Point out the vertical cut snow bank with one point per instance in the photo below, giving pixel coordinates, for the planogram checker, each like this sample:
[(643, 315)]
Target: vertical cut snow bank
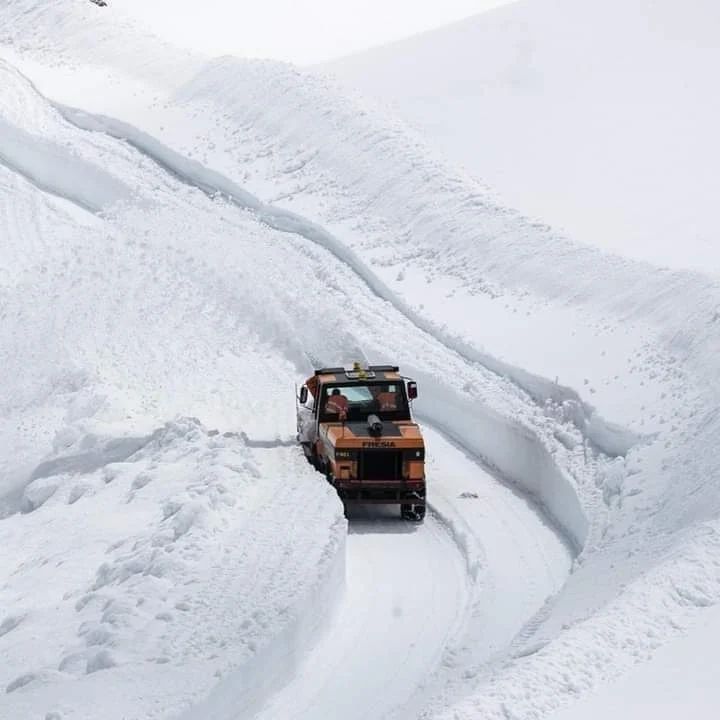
[(163, 573)]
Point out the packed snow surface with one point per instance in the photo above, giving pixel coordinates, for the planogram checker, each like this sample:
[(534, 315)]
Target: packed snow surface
[(245, 220)]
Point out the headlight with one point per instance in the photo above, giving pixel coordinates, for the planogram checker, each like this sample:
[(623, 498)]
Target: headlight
[(416, 454)]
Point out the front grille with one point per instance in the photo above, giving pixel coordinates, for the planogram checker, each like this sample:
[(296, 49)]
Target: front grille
[(380, 465)]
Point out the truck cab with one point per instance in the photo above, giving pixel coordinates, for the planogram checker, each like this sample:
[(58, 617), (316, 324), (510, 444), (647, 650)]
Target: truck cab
[(355, 426)]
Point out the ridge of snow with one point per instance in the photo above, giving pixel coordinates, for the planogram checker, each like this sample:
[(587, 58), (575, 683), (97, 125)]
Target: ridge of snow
[(39, 162)]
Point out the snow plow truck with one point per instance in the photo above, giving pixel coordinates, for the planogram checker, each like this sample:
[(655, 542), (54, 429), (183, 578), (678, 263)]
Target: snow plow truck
[(355, 427)]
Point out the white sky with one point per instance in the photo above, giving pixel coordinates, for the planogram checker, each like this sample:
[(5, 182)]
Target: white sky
[(302, 31)]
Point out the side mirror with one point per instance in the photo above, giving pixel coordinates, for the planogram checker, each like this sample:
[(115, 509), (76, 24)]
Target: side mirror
[(303, 394), (412, 390)]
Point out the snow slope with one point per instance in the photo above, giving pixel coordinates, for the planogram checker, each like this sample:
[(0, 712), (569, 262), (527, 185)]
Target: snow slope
[(133, 541), (587, 379), (281, 29), (597, 118), (681, 679)]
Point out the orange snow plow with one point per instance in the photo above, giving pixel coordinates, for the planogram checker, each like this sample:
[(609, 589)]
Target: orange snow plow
[(355, 426)]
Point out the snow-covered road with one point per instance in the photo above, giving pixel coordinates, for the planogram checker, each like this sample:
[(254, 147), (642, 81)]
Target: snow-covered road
[(405, 598), (422, 605)]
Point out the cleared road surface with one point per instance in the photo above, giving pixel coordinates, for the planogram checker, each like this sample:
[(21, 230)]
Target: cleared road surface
[(410, 598)]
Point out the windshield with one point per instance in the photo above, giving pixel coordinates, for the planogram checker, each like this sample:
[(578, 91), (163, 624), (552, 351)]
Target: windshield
[(356, 402)]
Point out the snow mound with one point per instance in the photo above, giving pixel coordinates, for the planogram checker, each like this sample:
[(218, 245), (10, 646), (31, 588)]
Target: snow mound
[(167, 573)]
